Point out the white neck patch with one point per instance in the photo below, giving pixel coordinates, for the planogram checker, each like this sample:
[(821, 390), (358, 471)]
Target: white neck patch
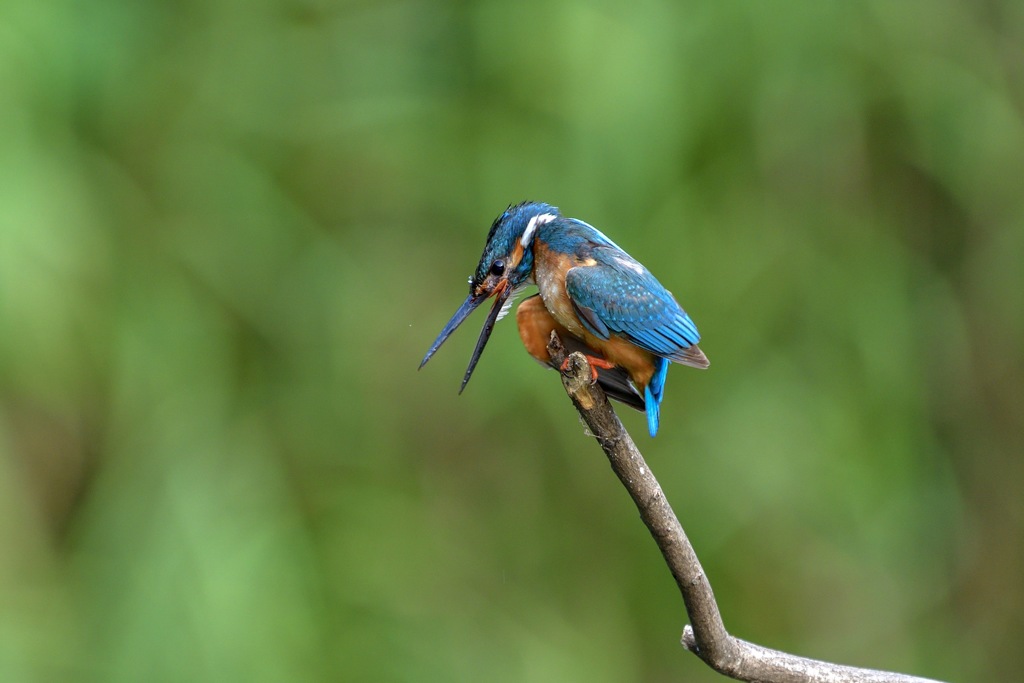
[(531, 227)]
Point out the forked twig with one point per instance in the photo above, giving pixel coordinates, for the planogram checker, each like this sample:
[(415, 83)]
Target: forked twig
[(706, 635)]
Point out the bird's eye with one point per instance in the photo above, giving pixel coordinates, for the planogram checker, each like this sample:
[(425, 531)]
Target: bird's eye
[(498, 267)]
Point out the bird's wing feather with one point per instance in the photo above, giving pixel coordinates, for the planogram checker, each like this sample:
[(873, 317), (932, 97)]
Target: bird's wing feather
[(613, 293)]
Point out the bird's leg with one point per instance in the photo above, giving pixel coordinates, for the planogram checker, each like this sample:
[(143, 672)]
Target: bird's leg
[(536, 326), (595, 363)]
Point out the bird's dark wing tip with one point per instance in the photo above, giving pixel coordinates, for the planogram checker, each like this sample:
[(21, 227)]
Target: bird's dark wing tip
[(692, 356)]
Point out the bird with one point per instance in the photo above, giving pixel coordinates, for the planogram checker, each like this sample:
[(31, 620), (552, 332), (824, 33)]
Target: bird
[(596, 297)]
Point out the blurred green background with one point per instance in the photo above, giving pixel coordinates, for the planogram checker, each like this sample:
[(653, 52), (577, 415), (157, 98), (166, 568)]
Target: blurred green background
[(230, 229)]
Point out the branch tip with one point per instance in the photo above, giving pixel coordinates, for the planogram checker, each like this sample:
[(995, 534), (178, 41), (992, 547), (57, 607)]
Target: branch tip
[(705, 635)]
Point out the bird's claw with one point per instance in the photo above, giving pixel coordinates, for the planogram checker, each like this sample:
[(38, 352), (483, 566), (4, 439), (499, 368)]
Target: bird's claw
[(595, 363)]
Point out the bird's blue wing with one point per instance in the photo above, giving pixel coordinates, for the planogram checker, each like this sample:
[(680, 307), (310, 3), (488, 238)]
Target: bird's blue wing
[(614, 294)]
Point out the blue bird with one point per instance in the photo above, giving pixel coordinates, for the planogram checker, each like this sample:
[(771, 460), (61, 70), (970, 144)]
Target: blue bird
[(599, 299)]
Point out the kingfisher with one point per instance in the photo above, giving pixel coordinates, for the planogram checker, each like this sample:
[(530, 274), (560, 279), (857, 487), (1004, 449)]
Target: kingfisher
[(596, 297)]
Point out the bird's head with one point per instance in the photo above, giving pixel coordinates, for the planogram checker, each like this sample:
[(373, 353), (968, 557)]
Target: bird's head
[(505, 267)]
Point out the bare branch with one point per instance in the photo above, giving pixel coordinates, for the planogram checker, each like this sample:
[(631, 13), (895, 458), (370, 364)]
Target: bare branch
[(706, 635)]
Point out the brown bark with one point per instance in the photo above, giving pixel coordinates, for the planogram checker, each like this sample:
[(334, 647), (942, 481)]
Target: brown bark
[(705, 636)]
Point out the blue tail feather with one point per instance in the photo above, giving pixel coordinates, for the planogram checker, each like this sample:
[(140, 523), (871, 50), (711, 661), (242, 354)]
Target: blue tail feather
[(652, 412), (653, 393)]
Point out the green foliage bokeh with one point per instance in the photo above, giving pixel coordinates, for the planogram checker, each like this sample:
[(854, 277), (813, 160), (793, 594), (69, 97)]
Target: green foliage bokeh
[(229, 230)]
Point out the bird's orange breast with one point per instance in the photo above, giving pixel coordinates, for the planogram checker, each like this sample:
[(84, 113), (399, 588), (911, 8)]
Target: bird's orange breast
[(549, 269), (549, 272), (535, 327)]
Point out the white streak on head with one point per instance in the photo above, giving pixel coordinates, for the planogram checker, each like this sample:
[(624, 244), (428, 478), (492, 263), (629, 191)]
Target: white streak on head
[(531, 227)]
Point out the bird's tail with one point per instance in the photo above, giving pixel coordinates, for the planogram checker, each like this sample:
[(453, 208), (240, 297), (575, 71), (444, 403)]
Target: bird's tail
[(654, 391)]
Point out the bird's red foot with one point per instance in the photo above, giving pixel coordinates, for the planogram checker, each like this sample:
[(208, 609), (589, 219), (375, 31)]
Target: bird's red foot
[(595, 363)]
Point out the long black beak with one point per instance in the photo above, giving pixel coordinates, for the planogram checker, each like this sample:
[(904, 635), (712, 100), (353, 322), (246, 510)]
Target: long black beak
[(468, 306)]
